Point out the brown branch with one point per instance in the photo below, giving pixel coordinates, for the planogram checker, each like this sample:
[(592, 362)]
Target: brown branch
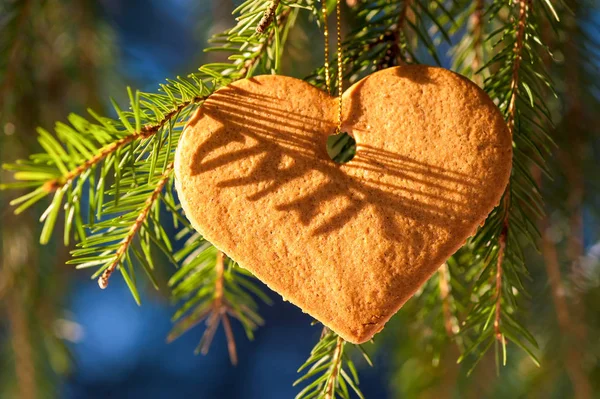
[(444, 295), (498, 313), (211, 328), (220, 270), (514, 87), (477, 31), (231, 347), (336, 364), (220, 307), (398, 33), (145, 132), (574, 202), (577, 121), (139, 222), (392, 37), (567, 326), (218, 313), (402, 17)]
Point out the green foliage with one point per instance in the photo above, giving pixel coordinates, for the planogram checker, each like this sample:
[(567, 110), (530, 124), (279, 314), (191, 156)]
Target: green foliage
[(94, 151), (439, 305), (469, 53), (390, 34), (210, 293), (88, 155), (124, 166), (519, 84), (329, 372)]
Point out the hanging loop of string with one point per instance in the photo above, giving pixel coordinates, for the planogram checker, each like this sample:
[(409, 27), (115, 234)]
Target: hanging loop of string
[(326, 37), (340, 72)]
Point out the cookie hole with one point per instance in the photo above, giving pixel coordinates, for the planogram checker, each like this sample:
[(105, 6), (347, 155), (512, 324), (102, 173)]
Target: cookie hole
[(341, 147)]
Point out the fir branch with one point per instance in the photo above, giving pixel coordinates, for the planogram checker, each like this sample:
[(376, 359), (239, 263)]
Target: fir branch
[(218, 313), (468, 55), (268, 16), (146, 132), (87, 151), (139, 142), (135, 227), (450, 324), (436, 309), (518, 83), (477, 28), (498, 299), (390, 34), (336, 364), (399, 36), (329, 371), (213, 288), (521, 22), (516, 63), (132, 226)]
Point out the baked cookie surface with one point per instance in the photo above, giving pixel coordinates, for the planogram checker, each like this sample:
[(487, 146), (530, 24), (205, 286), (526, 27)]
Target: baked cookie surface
[(348, 243)]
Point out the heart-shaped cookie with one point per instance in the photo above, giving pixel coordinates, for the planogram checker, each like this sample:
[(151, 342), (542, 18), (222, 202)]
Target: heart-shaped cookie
[(347, 243)]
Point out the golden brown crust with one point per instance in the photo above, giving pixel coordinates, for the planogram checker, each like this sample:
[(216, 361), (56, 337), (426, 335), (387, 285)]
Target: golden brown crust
[(349, 244)]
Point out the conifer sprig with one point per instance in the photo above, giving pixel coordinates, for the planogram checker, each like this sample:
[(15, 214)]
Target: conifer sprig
[(132, 225), (123, 167), (213, 288), (329, 371), (86, 155), (517, 82), (87, 151), (391, 34), (469, 54), (140, 220), (438, 308)]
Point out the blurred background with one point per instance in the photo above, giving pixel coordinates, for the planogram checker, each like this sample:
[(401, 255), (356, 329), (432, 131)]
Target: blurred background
[(62, 337)]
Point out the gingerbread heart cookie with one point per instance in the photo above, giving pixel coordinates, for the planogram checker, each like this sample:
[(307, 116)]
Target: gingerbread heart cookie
[(348, 243)]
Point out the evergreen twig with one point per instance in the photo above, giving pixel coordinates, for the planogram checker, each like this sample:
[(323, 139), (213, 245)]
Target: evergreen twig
[(124, 166), (85, 155), (135, 151), (213, 288), (468, 55), (135, 227), (518, 82), (391, 34), (329, 371)]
